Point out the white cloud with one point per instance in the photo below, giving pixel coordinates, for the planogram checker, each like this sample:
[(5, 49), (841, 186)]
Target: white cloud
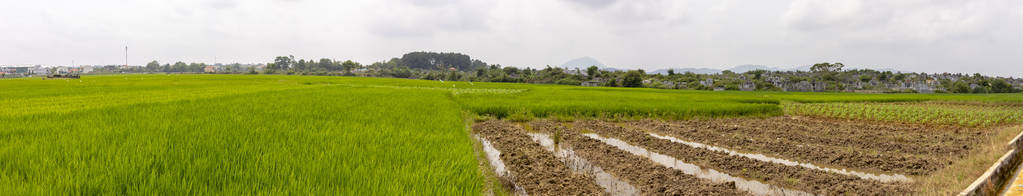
[(895, 21), (916, 35)]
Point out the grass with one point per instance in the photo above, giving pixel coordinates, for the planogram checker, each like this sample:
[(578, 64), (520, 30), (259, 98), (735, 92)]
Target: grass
[(961, 173), (260, 134)]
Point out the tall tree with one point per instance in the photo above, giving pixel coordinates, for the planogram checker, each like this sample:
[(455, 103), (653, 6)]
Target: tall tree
[(325, 64), (350, 65), (827, 67), (179, 67), (592, 71), (283, 62), (440, 61), (827, 71), (153, 66), (633, 79)]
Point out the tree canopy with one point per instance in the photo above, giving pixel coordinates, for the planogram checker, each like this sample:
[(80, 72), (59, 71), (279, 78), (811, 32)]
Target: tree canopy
[(440, 61)]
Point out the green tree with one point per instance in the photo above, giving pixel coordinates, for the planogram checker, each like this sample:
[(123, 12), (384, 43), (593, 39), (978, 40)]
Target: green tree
[(453, 76), (633, 79), (757, 73), (301, 65), (324, 64), (1000, 86), (865, 78), (153, 66), (592, 71), (826, 67), (270, 67), (510, 70), (282, 62), (350, 65), (827, 71), (179, 67)]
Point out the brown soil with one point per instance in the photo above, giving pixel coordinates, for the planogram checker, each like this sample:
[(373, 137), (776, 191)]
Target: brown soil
[(814, 181), (649, 177), (531, 167), (900, 148)]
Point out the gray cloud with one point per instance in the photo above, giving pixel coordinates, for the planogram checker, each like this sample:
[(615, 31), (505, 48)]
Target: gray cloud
[(221, 4), (424, 18), (594, 3)]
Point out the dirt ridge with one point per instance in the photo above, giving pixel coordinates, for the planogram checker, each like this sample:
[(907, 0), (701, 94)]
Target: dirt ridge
[(815, 181), (649, 177), (826, 144), (533, 168)]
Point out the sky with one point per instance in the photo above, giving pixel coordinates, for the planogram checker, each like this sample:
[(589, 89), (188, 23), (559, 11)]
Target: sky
[(959, 36)]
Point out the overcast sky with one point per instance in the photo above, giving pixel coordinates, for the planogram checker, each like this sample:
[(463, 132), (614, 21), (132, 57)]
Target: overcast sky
[(983, 36)]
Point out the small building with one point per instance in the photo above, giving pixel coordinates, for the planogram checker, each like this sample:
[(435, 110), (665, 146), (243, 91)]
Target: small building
[(708, 82), (819, 86), (747, 86), (88, 69), (40, 70), (593, 82), (61, 70), (209, 69), (801, 86), (668, 84)]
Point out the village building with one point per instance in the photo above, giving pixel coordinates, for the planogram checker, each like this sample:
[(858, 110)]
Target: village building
[(747, 86), (708, 82)]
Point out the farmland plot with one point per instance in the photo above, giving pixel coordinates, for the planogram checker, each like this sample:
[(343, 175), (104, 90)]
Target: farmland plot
[(787, 155)]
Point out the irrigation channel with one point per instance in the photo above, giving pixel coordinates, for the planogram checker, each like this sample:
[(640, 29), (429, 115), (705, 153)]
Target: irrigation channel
[(699, 158), (1014, 186)]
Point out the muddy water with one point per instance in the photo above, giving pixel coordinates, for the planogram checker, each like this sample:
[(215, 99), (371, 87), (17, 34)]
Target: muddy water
[(879, 177), (610, 183), (494, 157), (755, 187)]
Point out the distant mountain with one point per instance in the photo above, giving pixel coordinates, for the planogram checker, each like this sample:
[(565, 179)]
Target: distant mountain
[(684, 70), (746, 68), (736, 69), (586, 62), (801, 68), (583, 63)]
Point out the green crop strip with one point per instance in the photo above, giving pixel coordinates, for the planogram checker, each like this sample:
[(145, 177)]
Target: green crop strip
[(949, 113)]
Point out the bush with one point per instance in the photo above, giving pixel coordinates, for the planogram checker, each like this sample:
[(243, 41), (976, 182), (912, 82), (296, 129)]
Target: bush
[(568, 81)]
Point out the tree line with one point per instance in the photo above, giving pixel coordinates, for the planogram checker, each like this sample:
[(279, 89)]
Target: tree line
[(461, 67)]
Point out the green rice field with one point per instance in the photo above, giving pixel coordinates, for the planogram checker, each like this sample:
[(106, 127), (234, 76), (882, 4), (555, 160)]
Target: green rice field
[(310, 135)]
